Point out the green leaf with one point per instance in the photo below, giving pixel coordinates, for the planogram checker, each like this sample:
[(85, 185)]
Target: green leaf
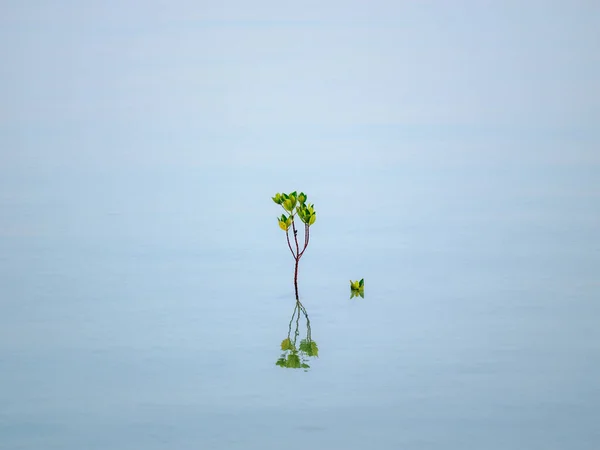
[(293, 199), (281, 362), (286, 344), (361, 283), (305, 366), (303, 213), (293, 361), (312, 219), (309, 347), (305, 346), (314, 349)]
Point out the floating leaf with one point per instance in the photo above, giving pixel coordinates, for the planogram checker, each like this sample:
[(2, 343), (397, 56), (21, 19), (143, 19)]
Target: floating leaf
[(357, 285)]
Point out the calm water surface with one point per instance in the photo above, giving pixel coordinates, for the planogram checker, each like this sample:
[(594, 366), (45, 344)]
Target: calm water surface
[(146, 310)]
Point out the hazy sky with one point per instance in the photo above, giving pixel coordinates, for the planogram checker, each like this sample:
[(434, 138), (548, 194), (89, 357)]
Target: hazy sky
[(122, 118), (153, 83)]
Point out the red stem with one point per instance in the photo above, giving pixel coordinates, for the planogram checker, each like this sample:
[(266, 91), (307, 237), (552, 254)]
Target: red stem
[(297, 257), (296, 279), (298, 253), (296, 238), (287, 235), (306, 238)]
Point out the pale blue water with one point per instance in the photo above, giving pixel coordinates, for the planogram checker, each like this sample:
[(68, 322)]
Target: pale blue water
[(149, 314)]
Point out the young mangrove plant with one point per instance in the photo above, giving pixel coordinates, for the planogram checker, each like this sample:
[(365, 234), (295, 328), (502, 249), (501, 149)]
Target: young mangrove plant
[(294, 205)]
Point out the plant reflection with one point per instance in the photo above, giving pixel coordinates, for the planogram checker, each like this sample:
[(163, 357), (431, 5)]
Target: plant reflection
[(355, 293), (295, 356)]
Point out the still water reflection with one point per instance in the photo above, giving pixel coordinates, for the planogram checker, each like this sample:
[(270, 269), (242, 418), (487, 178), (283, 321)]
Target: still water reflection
[(296, 354), (135, 330)]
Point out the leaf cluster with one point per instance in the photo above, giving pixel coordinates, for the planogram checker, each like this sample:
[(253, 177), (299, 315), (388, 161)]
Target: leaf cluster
[(295, 358), (292, 361), (357, 285), (294, 204), (357, 288)]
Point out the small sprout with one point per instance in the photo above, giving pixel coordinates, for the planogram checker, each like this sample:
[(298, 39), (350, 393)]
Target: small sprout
[(357, 288), (357, 285)]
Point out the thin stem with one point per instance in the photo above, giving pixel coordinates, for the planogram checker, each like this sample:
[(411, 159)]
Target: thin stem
[(287, 235), (297, 254), (295, 236), (297, 257), (296, 278), (306, 239)]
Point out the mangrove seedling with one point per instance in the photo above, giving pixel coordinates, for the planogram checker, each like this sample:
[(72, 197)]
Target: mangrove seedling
[(357, 288), (294, 205)]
